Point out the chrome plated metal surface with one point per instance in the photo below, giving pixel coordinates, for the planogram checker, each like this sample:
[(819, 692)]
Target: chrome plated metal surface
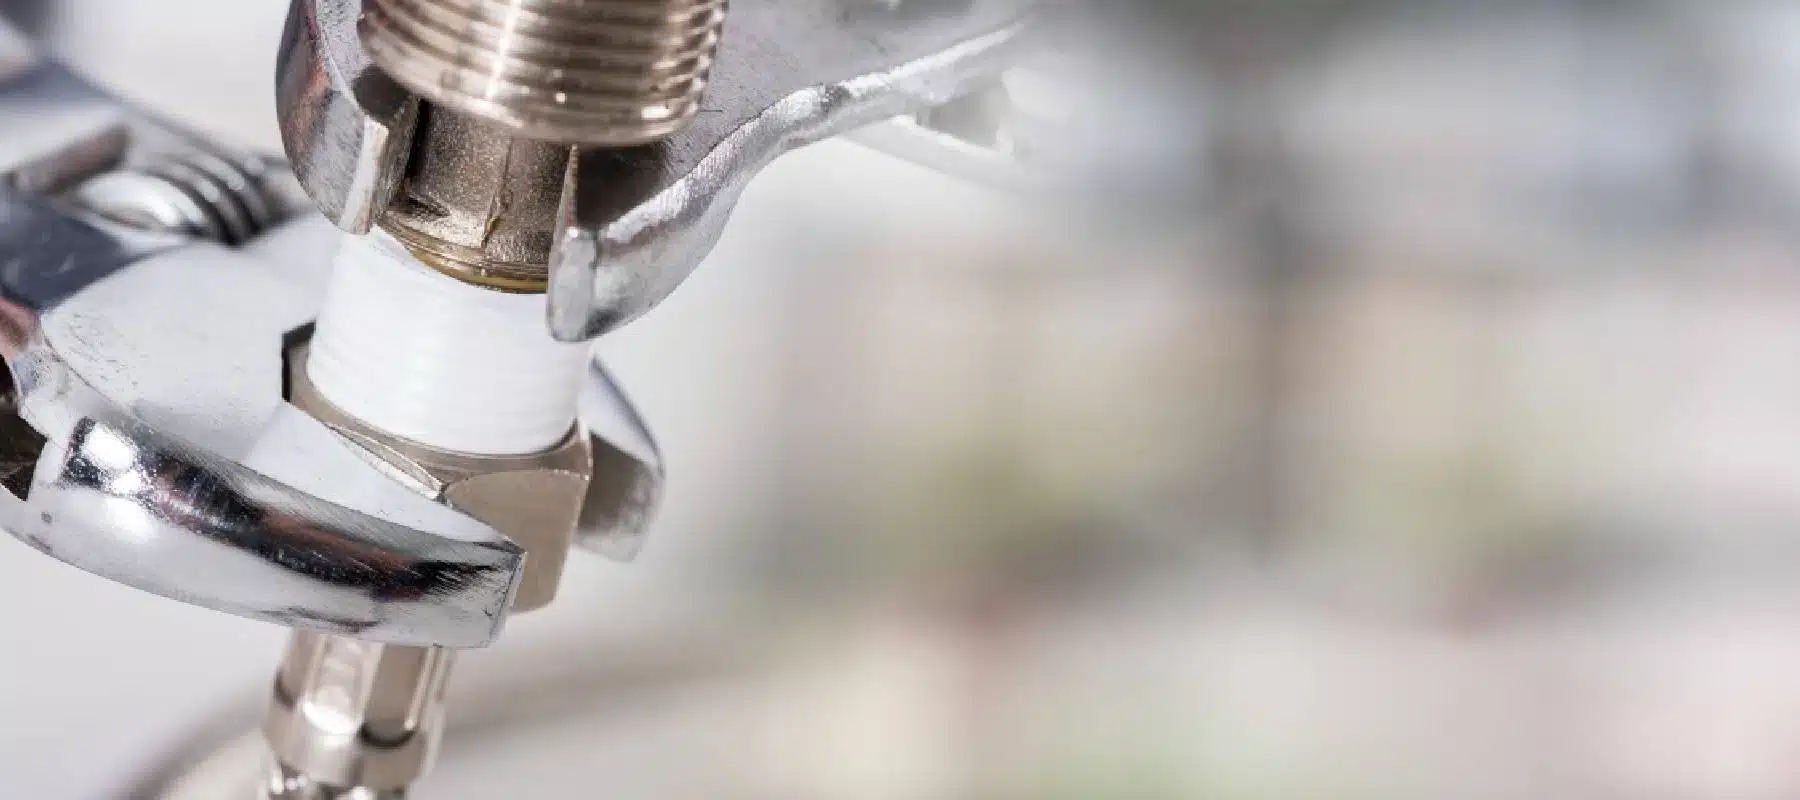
[(287, 785), (60, 131), (350, 718), (598, 488), (148, 440), (170, 461), (638, 221), (346, 126), (599, 72), (166, 457), (147, 433), (146, 436), (634, 222), (625, 482), (351, 715), (199, 195)]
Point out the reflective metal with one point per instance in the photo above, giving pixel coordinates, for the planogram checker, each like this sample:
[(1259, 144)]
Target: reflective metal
[(596, 488), (610, 474), (285, 784), (478, 203), (170, 461), (600, 72), (635, 222), (351, 715), (146, 437), (638, 221), (625, 481), (146, 433), (348, 716), (196, 195), (346, 126)]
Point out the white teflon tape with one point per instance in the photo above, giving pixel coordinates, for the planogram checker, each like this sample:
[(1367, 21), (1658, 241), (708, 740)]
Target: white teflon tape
[(429, 358)]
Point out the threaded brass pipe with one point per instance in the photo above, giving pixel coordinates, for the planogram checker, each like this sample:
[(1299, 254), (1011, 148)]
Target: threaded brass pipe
[(593, 72)]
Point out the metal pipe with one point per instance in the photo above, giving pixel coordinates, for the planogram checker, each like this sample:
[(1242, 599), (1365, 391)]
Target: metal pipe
[(596, 72)]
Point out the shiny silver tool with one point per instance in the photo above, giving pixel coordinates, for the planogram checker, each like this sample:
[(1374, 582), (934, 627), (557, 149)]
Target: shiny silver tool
[(158, 295)]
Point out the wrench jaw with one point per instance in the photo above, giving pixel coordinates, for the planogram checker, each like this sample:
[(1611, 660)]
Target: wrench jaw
[(166, 458), (116, 501), (148, 440), (634, 222), (151, 433), (346, 126)]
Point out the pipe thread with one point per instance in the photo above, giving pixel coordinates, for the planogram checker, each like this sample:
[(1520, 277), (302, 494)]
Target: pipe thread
[(599, 72)]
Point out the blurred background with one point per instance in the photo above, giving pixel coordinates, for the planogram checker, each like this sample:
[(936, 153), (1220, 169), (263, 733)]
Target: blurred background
[(1381, 400)]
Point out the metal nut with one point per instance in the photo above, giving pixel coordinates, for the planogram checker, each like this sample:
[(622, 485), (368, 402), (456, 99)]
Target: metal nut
[(479, 204), (535, 500)]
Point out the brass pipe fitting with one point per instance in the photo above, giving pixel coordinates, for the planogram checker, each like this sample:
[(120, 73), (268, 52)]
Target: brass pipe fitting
[(613, 73)]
